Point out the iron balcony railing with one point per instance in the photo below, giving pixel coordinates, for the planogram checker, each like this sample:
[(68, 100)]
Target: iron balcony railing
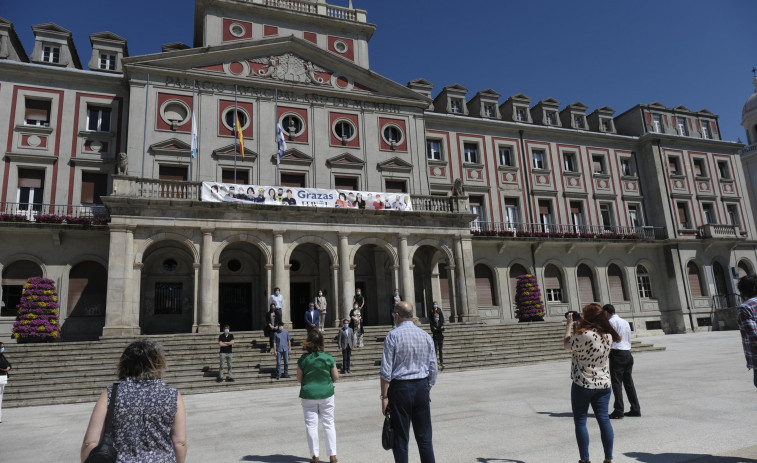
[(540, 230), (53, 213)]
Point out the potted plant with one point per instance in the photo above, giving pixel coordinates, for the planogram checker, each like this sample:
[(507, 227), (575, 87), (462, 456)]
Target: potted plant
[(37, 319), (529, 306)]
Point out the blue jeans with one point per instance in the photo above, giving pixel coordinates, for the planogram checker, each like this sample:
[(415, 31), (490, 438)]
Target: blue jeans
[(409, 402), (284, 354), (755, 376), (599, 399)]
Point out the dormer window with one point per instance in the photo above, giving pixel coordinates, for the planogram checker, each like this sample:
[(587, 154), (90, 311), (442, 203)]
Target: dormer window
[(657, 123), (37, 112), (706, 130), (490, 110), (456, 106), (521, 115), (107, 62), (606, 125), (51, 54), (683, 129), (551, 118), (578, 121)]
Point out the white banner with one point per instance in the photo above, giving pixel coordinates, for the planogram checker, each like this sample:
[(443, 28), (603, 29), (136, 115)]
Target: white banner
[(305, 197)]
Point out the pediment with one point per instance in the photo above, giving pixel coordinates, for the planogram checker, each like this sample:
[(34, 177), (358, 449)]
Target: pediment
[(286, 63), (420, 83), (229, 152), (657, 105), (455, 89), (395, 164), (488, 93), (577, 106), (605, 109), (107, 35), (345, 160), (4, 21), (520, 97), (171, 146), (682, 108), (293, 156), (549, 102), (50, 27), (705, 112)]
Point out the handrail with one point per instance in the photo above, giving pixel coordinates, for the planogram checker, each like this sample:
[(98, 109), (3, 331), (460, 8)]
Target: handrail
[(540, 230)]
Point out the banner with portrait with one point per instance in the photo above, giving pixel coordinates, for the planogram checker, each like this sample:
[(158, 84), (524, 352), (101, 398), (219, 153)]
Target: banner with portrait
[(304, 197)]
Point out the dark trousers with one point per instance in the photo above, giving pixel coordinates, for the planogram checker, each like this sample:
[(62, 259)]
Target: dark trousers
[(621, 365), (438, 345), (409, 402), (346, 353)]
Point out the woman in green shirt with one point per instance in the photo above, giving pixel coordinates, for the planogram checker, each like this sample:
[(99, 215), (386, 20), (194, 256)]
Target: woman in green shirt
[(317, 373)]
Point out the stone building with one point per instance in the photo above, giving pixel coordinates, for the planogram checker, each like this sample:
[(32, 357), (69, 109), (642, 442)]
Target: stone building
[(647, 209)]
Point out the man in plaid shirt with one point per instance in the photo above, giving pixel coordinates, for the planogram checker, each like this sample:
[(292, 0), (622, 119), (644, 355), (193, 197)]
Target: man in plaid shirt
[(748, 320)]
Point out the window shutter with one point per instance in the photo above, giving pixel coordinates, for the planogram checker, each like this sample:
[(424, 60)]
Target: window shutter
[(596, 165), (172, 173), (484, 287), (615, 281), (694, 280), (543, 208), (552, 278), (444, 286), (30, 178), (585, 285)]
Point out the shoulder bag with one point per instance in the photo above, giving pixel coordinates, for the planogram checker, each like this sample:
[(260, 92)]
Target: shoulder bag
[(105, 452), (387, 434)]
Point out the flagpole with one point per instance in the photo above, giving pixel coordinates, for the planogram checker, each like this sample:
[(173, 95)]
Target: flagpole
[(193, 141), (276, 134), (144, 130), (236, 134)]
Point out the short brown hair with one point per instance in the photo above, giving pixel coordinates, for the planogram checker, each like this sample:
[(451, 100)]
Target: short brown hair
[(142, 359), (314, 342)]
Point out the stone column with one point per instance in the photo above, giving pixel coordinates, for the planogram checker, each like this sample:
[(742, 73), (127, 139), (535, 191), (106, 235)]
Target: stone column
[(454, 312), (333, 308), (120, 298), (281, 276), (196, 297), (407, 290), (206, 283), (347, 276), (467, 277)]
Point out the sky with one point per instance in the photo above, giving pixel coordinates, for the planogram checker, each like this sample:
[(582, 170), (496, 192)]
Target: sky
[(695, 53)]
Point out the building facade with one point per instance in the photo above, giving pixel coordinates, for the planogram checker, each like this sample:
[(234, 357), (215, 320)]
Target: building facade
[(101, 188)]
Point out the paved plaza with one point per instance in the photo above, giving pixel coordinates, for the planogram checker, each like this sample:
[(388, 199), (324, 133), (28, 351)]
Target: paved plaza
[(697, 401)]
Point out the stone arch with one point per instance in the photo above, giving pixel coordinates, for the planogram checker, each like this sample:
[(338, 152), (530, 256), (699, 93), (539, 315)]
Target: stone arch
[(563, 281), (441, 247), (581, 282), (327, 246), (624, 279), (494, 282), (186, 242), (700, 289), (385, 245), (88, 257), (745, 267), (24, 256), (650, 269), (243, 238)]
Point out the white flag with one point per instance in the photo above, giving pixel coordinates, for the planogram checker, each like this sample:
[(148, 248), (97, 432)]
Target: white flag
[(194, 135), (281, 143)]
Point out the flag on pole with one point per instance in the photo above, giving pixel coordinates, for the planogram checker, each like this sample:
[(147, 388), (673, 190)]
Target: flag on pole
[(281, 143), (194, 134), (240, 136)]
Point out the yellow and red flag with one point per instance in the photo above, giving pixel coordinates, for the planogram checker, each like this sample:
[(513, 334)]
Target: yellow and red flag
[(240, 136)]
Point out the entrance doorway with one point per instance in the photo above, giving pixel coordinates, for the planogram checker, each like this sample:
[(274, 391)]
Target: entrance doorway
[(300, 294), (235, 306)]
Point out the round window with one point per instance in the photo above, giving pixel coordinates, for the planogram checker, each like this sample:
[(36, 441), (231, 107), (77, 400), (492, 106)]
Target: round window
[(340, 46), (174, 112), (392, 134), (344, 130), (169, 265), (230, 122), (292, 124), (234, 265), (237, 30)]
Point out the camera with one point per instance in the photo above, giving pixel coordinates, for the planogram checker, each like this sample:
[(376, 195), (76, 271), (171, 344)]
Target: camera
[(575, 316)]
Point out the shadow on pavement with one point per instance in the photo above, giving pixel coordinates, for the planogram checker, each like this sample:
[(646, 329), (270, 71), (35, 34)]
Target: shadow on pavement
[(562, 415), (275, 459), (497, 460), (685, 457)]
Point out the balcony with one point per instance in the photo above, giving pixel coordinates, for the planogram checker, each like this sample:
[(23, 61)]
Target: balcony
[(717, 231), (318, 8), (94, 214), (556, 231)]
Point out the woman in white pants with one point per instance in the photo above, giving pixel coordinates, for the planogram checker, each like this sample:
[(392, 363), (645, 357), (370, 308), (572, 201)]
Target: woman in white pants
[(316, 372), (5, 367)]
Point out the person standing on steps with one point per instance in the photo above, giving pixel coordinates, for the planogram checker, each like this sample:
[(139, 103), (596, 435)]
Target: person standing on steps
[(320, 306), (272, 320), (437, 333), (345, 341), (5, 367), (282, 344), (356, 323), (312, 318), (277, 299), (359, 299), (225, 342), (747, 287), (621, 366)]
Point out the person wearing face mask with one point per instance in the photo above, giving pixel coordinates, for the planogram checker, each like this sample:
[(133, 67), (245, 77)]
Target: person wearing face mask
[(225, 342), (359, 299), (356, 323), (282, 344), (277, 299), (5, 367), (436, 310), (320, 306), (272, 319), (437, 333), (346, 342), (312, 318), (393, 304)]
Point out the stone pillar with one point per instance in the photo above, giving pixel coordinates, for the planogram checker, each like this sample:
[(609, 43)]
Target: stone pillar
[(454, 313), (379, 304), (407, 289), (333, 308), (281, 276), (466, 279), (196, 297), (121, 297), (206, 324), (347, 276)]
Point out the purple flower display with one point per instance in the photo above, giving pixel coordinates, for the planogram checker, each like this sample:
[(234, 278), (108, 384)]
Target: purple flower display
[(37, 318), (529, 306)]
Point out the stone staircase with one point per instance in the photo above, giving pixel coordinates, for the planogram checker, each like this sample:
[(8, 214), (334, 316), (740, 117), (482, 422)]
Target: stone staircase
[(69, 372)]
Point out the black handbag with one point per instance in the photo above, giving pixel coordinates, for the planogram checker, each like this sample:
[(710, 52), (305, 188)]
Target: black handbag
[(387, 434), (105, 452)]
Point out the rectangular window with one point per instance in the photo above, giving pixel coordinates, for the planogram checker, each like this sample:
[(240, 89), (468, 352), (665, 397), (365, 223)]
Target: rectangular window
[(168, 298), (657, 123), (489, 110), (172, 173), (634, 216), (645, 286), (538, 159), (605, 214), (723, 170), (107, 62), (30, 192), (98, 119), (606, 125), (576, 216), (471, 152), (511, 212), (598, 164), (627, 168), (434, 149), (683, 129), (551, 118), (706, 129), (37, 112), (476, 207), (569, 162), (733, 215), (456, 106), (395, 186), (683, 216), (578, 121), (242, 178), (545, 215), (93, 187), (674, 165), (554, 295), (345, 183), (520, 115), (51, 54), (505, 156), (699, 170), (709, 213)]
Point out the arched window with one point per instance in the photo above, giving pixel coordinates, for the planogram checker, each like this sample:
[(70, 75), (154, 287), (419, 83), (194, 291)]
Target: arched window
[(14, 279), (515, 271), (616, 284), (485, 286), (444, 284), (553, 283), (695, 280), (643, 282), (586, 292), (87, 289), (744, 268)]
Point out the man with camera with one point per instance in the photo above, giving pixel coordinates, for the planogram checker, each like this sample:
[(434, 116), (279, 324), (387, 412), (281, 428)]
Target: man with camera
[(621, 365)]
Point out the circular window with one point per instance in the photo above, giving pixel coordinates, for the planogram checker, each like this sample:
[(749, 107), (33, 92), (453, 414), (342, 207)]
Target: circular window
[(340, 46), (294, 265), (392, 134), (234, 265), (169, 265), (344, 130), (292, 124), (230, 122), (175, 112), (237, 30)]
